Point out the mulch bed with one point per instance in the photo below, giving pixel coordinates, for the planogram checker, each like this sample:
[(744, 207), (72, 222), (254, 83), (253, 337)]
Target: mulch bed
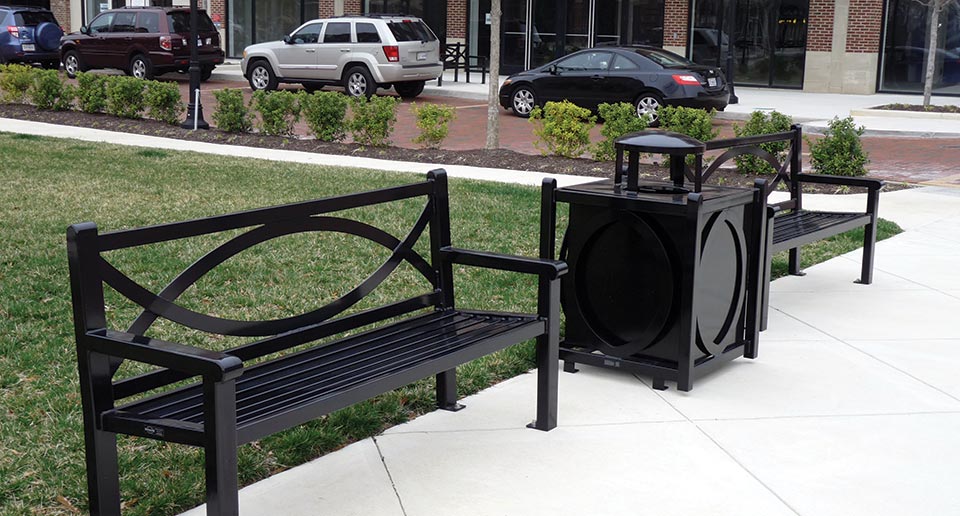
[(500, 158), (920, 108)]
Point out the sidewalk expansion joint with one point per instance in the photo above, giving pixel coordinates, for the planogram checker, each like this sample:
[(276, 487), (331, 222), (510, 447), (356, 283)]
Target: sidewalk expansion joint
[(389, 476)]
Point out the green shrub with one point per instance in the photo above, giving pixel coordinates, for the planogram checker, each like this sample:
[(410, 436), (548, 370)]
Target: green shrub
[(49, 92), (15, 81), (618, 119), (761, 123), (91, 92), (692, 122), (125, 96), (433, 120), (563, 128), (840, 151), (164, 101), (231, 114), (373, 119), (278, 111), (326, 114)]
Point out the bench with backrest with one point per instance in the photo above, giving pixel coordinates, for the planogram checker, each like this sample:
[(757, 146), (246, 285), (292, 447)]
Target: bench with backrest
[(280, 376), (455, 58), (793, 225)]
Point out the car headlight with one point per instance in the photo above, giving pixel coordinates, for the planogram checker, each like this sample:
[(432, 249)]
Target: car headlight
[(507, 82), (244, 54)]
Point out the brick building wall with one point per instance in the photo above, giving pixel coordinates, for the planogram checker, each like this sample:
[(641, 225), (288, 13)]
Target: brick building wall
[(218, 12), (820, 26), (863, 26), (326, 8), (456, 19), (676, 16), (61, 11), (352, 7)]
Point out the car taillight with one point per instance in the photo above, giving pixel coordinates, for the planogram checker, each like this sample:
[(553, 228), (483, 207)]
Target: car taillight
[(686, 80), (392, 52), (166, 43), (14, 31)]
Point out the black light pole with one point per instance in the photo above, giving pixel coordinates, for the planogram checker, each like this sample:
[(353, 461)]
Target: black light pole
[(732, 26), (194, 108)]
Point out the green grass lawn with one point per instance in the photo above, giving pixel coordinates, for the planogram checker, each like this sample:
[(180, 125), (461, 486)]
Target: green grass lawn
[(49, 184)]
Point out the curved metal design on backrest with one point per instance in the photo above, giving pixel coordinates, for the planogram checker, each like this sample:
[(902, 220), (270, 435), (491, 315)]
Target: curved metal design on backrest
[(162, 305), (740, 151)]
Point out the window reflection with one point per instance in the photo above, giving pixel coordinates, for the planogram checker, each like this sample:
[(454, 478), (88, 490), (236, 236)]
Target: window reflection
[(905, 50)]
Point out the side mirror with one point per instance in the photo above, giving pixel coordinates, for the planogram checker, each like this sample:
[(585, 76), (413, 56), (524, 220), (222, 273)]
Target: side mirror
[(552, 69), (84, 29), (288, 40)]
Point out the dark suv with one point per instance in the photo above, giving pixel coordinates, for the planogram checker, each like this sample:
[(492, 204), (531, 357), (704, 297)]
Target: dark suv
[(141, 41), (29, 35)]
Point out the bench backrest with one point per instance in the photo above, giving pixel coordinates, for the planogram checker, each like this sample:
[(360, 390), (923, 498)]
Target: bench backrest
[(787, 171), (90, 270)]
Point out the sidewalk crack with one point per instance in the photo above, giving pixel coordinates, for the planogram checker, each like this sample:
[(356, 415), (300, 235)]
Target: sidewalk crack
[(393, 484)]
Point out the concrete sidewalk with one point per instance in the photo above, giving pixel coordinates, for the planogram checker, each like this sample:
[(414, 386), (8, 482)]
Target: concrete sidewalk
[(852, 408)]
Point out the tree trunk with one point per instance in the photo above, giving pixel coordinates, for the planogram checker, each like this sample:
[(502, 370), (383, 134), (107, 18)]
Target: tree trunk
[(493, 104), (931, 51)]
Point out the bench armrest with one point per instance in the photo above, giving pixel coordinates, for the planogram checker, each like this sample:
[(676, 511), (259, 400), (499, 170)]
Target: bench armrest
[(872, 184), (551, 269), (179, 357)]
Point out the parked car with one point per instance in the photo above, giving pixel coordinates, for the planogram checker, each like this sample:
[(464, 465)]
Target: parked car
[(29, 35), (647, 77), (141, 41), (360, 53)]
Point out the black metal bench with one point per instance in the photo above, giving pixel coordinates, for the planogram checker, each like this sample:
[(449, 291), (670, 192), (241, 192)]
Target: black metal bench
[(235, 402), (792, 225), (455, 58)]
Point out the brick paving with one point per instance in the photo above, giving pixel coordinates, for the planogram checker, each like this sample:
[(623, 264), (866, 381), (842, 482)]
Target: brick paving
[(912, 160)]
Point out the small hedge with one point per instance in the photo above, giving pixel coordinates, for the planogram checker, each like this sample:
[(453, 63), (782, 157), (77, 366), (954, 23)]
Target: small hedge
[(125, 96), (761, 123), (91, 92), (326, 114), (692, 122), (49, 92), (433, 120), (840, 151), (231, 114), (618, 119), (373, 119), (15, 81), (278, 111), (562, 128), (164, 101)]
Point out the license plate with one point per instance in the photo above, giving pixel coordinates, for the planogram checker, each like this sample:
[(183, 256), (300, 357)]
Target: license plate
[(421, 56), (711, 81), (29, 48)]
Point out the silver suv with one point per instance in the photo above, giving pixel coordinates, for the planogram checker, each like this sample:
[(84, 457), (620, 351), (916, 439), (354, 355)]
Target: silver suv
[(360, 53)]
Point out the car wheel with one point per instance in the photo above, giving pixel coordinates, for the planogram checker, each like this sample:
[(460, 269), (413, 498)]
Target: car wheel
[(648, 104), (357, 81), (262, 77), (72, 64), (409, 90), (523, 101), (141, 68), (205, 73)]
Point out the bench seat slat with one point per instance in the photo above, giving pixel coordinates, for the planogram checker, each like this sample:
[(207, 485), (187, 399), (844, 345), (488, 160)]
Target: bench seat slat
[(802, 227), (388, 355)]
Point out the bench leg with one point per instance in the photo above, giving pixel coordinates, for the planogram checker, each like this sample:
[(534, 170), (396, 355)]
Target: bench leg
[(794, 262), (869, 243), (103, 472), (447, 391), (220, 448), (548, 357)]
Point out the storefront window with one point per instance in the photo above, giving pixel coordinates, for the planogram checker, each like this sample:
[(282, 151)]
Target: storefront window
[(905, 49), (433, 12)]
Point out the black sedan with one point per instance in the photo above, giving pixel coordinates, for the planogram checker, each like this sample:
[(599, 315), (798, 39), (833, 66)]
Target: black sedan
[(647, 77)]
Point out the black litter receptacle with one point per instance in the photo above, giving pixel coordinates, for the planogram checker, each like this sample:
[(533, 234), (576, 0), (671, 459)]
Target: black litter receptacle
[(664, 279)]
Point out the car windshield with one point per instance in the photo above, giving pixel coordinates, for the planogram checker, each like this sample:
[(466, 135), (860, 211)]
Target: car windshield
[(663, 58), (410, 30), (30, 18), (179, 22)]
